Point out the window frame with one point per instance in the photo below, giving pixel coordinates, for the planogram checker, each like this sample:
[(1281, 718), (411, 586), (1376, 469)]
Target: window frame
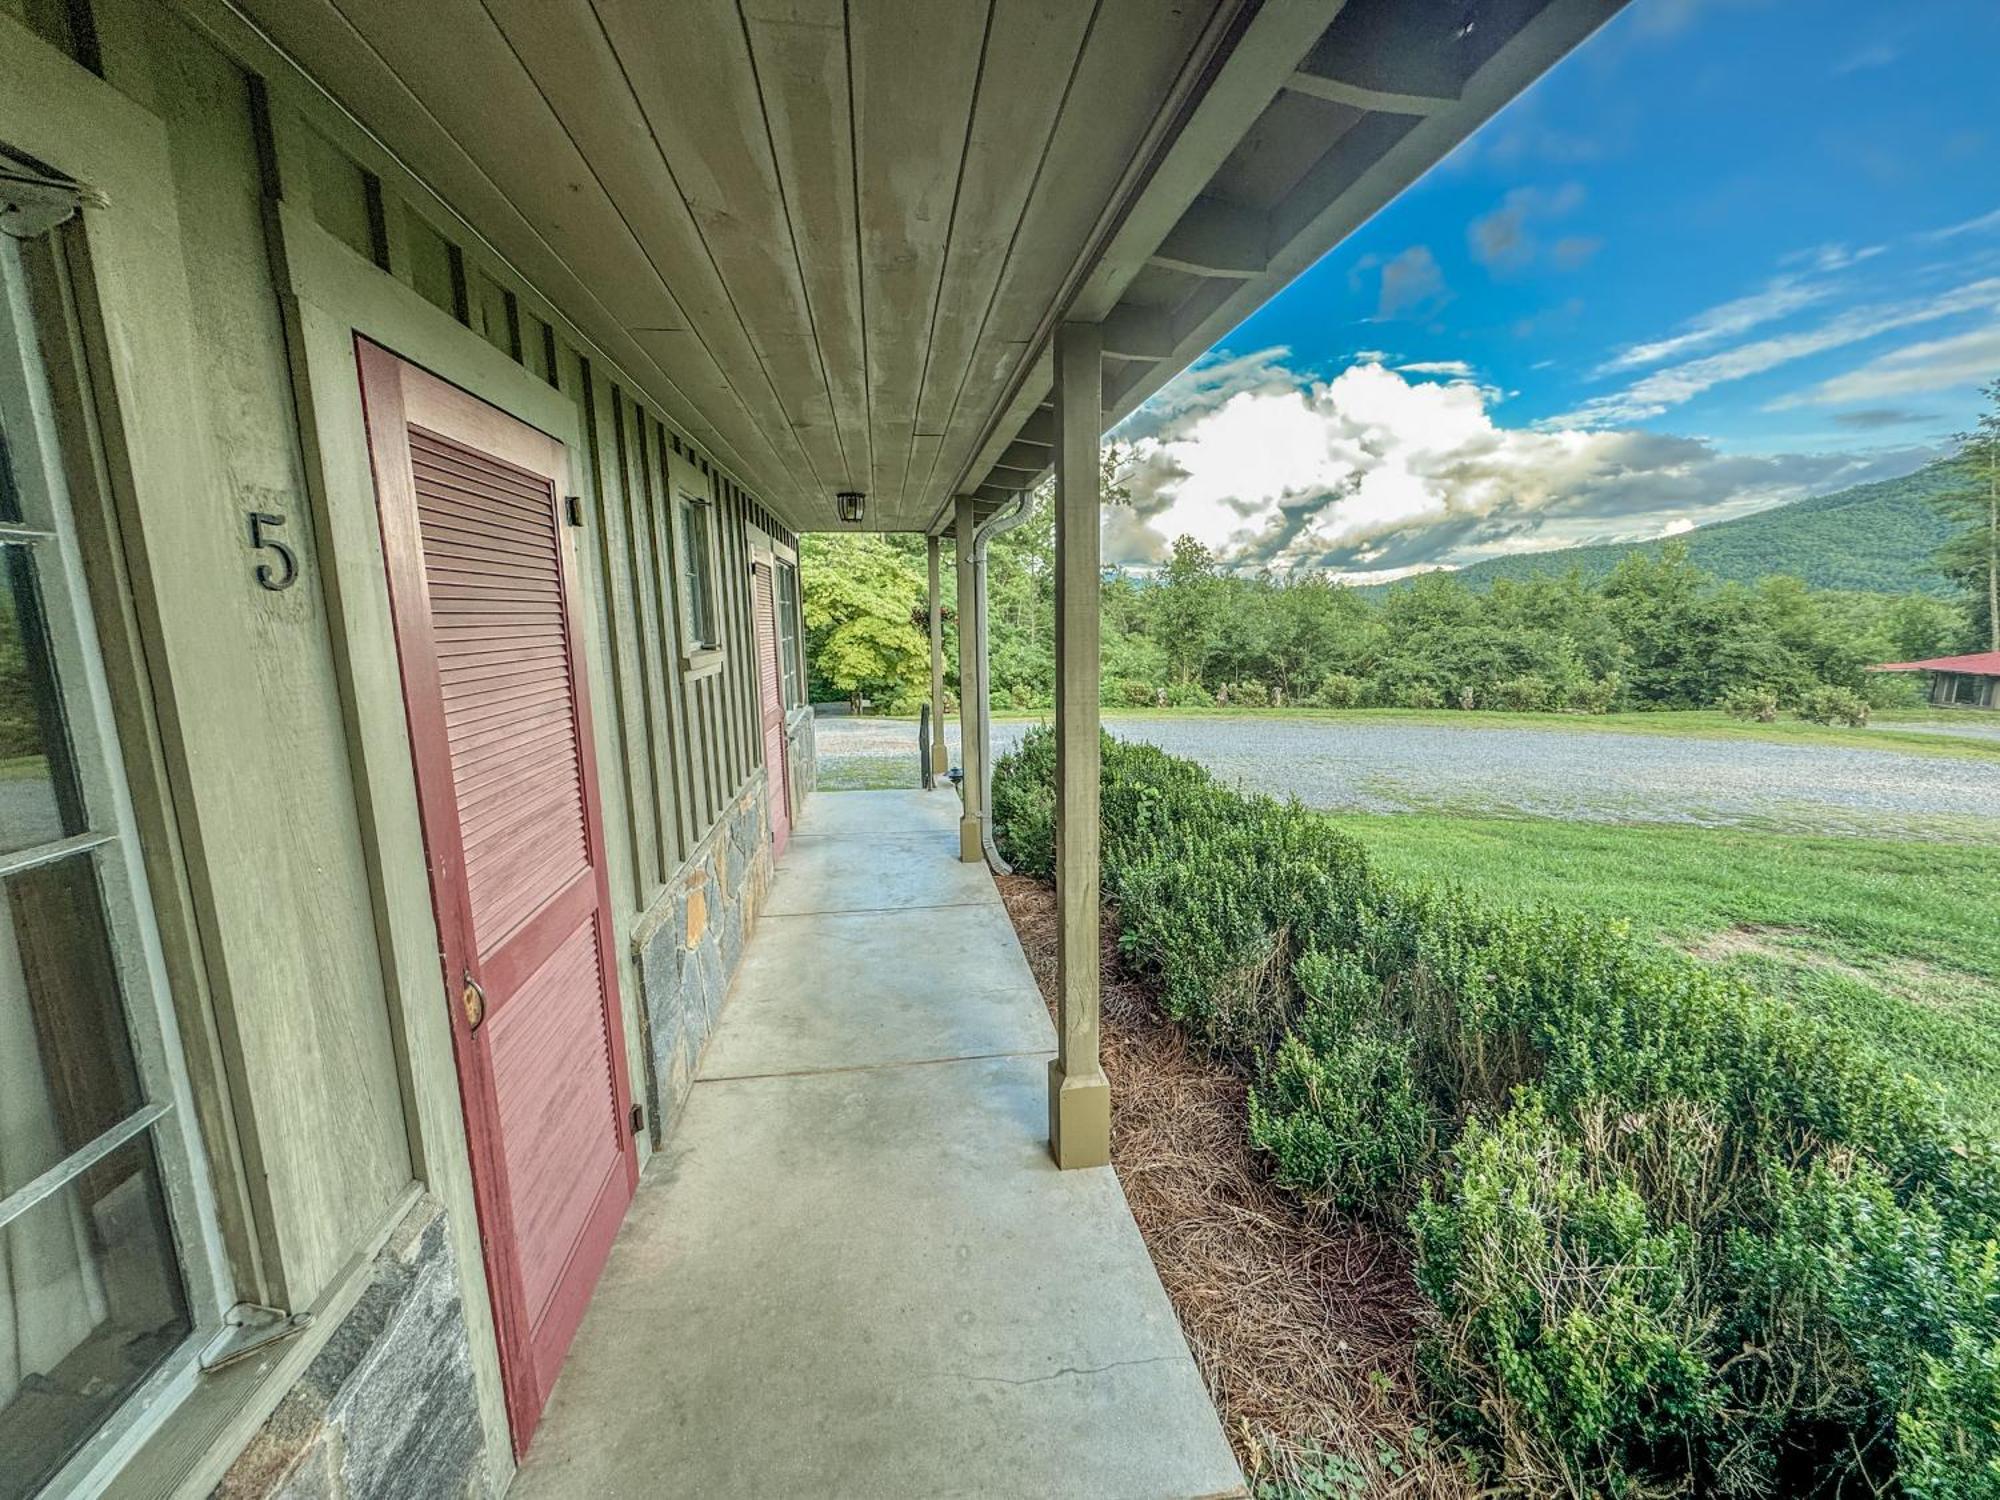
[(112, 845), (699, 581), (791, 645)]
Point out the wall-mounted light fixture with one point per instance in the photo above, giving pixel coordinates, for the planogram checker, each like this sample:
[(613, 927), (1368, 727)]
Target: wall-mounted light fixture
[(848, 505)]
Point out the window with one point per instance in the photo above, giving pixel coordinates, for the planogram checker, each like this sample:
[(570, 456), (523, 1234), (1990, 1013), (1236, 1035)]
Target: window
[(95, 1166), (788, 633), (698, 573)]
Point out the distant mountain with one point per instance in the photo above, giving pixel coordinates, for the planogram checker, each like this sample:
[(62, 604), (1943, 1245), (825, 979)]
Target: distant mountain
[(1879, 537)]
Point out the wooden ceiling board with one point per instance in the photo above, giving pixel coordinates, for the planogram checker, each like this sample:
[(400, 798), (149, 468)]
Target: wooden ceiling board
[(582, 82), (1294, 131), (915, 68), (1032, 50), (506, 122), (799, 48), (325, 45), (1133, 59), (690, 66)]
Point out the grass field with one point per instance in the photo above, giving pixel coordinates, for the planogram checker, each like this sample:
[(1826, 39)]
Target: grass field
[(1899, 939)]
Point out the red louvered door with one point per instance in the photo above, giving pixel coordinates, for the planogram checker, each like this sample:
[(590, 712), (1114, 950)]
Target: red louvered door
[(777, 770), (482, 584)]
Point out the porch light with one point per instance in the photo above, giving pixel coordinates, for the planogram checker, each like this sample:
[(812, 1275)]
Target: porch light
[(848, 503)]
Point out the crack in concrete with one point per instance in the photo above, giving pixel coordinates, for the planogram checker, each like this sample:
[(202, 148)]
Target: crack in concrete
[(1116, 1364)]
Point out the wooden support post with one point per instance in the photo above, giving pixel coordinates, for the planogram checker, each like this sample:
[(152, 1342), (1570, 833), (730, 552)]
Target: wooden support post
[(1079, 1097), (940, 756), (971, 660)]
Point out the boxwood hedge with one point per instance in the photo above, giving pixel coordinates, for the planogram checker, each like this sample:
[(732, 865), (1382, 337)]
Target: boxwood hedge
[(1674, 1236)]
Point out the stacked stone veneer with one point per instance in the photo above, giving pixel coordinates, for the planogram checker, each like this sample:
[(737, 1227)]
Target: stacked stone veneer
[(688, 947), (387, 1409)]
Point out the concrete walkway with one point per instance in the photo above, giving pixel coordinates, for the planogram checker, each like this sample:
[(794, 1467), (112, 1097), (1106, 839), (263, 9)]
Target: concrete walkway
[(855, 1272)]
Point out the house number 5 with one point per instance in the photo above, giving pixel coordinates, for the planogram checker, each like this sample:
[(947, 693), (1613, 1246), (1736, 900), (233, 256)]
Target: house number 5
[(286, 571)]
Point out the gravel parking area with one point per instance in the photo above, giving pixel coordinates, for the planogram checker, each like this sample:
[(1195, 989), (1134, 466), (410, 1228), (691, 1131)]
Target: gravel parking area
[(1593, 774)]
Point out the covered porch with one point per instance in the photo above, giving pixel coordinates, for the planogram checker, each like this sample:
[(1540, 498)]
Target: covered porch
[(545, 329), (856, 1271)]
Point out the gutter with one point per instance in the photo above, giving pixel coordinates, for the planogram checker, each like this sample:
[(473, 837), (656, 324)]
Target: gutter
[(997, 524)]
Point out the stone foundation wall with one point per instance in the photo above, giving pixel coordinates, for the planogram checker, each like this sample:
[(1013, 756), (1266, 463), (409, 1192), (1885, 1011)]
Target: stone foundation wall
[(689, 945), (804, 758), (387, 1409)]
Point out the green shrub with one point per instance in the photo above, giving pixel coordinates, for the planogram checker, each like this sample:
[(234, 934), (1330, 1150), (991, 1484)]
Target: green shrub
[(1336, 691), (1885, 1319), (1024, 803), (1893, 689), (1678, 1236), (1832, 705), (1339, 1106), (1527, 694), (1569, 1342), (1419, 695), (1132, 694), (1188, 695), (1244, 695), (1594, 695), (1758, 703)]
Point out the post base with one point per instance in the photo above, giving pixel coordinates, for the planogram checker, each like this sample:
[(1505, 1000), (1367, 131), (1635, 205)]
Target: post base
[(940, 758), (1079, 1118), (970, 850)]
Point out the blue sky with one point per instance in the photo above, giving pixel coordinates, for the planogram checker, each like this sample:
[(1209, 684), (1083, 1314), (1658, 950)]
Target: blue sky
[(1728, 253)]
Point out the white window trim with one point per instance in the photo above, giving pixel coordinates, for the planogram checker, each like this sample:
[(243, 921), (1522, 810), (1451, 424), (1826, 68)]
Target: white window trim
[(700, 658), (183, 1169), (785, 603)]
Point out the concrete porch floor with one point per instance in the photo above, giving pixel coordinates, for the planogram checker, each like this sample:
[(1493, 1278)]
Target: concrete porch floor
[(855, 1271)]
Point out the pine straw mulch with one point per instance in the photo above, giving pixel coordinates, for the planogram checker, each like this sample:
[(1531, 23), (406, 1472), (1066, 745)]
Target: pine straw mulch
[(1303, 1326)]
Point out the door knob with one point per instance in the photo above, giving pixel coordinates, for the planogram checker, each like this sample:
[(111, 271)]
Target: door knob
[(474, 998)]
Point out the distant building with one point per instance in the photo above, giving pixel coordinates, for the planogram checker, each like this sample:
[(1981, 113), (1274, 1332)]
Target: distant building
[(1957, 681)]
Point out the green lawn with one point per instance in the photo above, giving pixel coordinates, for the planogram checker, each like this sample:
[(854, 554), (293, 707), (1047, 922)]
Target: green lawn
[(1899, 939)]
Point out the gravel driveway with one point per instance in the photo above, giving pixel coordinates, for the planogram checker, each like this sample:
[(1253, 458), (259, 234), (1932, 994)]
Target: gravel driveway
[(1592, 774)]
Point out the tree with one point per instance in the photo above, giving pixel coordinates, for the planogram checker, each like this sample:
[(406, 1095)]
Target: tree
[(862, 597), (1973, 556), (1186, 608)]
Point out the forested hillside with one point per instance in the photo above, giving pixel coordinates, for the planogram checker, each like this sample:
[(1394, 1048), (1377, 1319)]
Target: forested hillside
[(1880, 538), (1657, 631)]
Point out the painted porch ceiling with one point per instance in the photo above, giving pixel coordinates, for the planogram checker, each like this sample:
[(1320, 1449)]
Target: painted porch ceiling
[(831, 237), (822, 234)]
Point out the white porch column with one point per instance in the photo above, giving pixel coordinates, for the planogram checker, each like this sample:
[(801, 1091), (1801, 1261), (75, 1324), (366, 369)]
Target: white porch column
[(971, 659), (940, 756), (1079, 1097)]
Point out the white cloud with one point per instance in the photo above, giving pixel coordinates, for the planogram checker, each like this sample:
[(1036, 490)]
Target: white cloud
[(1502, 239), (1410, 281), (1664, 389), (1879, 55), (1377, 473), (1831, 257), (1979, 225), (1934, 365), (1456, 368), (1782, 297)]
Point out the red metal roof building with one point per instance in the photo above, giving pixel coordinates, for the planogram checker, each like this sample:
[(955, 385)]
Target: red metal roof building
[(1971, 681)]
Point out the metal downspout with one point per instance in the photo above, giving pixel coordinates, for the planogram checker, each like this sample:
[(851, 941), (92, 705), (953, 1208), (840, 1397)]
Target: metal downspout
[(1000, 522)]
